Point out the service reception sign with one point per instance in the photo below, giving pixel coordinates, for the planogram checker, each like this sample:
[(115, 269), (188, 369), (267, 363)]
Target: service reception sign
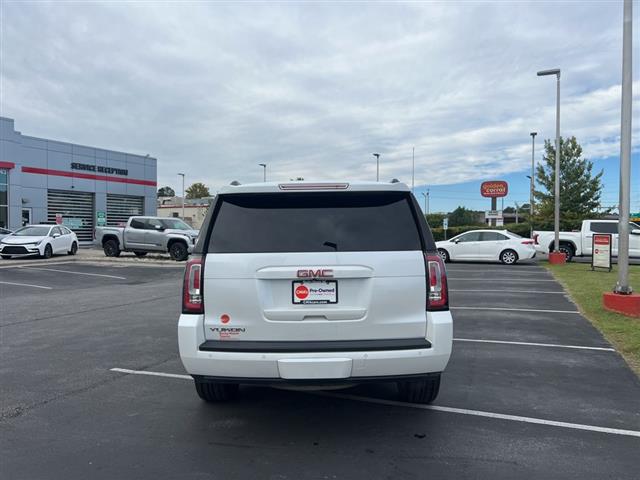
[(601, 249)]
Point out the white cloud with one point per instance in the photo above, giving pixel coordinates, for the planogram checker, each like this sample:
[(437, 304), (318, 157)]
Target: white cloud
[(314, 89)]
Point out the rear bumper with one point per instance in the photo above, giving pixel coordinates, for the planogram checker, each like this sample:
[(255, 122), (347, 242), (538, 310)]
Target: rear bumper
[(332, 366)]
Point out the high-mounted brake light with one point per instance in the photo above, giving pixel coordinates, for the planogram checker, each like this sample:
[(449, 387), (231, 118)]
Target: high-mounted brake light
[(192, 295), (527, 242), (313, 186), (535, 238), (437, 294)]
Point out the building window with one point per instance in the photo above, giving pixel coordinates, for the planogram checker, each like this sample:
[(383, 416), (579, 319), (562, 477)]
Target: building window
[(4, 198)]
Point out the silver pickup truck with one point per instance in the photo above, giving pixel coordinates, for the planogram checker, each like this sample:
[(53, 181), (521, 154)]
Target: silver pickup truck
[(142, 235)]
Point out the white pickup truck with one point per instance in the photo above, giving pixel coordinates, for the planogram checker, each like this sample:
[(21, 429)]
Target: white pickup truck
[(580, 243), (148, 234)]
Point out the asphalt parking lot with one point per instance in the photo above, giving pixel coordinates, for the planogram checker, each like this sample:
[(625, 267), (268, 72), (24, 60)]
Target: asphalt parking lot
[(532, 391)]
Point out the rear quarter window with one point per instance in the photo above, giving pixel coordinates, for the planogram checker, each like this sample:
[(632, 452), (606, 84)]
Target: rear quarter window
[(315, 222)]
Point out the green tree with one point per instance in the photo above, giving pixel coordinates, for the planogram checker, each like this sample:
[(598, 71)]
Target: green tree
[(463, 216), (197, 190), (435, 219), (580, 190), (166, 192)]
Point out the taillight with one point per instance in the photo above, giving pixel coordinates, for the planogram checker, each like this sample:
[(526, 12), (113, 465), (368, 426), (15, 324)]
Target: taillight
[(192, 295), (527, 242), (437, 294), (535, 238)]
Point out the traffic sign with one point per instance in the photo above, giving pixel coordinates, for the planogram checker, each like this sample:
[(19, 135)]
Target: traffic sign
[(445, 223)]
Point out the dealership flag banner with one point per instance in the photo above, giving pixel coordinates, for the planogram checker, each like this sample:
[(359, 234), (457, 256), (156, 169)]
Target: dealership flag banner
[(601, 248)]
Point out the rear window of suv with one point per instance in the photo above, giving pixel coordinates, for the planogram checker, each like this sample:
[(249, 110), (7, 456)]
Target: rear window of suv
[(314, 222)]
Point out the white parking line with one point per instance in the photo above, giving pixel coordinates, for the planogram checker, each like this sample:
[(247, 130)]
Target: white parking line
[(515, 309), (479, 413), (461, 411), (498, 280), (153, 374), (500, 292), (531, 344), (74, 273), (26, 285), (501, 272)]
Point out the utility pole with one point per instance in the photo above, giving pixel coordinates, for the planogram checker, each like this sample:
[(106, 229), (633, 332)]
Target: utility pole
[(556, 214), (532, 186), (182, 175), (377, 155), (413, 168), (426, 202), (623, 286), (516, 212), (264, 171)]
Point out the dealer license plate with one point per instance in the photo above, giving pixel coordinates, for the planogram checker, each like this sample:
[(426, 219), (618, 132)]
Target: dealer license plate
[(314, 292)]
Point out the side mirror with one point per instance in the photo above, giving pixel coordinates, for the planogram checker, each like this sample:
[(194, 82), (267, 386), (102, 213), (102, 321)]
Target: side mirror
[(159, 228), (55, 235), (456, 241)]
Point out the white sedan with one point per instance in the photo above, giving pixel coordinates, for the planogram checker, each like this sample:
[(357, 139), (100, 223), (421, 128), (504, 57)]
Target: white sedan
[(487, 245), (42, 240)]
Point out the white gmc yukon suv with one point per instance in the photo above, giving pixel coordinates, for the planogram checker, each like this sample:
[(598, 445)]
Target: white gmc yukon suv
[(315, 284)]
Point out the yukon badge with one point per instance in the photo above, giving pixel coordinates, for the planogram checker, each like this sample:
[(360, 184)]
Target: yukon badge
[(319, 273)]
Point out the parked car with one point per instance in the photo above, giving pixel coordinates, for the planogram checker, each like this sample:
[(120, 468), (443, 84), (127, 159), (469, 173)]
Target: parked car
[(142, 235), (580, 243), (315, 284), (4, 232), (488, 246), (42, 240)]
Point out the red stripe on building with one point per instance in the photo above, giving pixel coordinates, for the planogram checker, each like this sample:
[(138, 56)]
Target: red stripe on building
[(88, 176), (8, 165)]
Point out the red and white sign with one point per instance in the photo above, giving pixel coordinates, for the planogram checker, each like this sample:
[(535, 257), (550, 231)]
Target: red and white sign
[(58, 218), (301, 292), (305, 292), (601, 257), (494, 189)]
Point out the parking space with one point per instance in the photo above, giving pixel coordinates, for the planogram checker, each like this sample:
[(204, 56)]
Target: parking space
[(532, 391), (25, 279)]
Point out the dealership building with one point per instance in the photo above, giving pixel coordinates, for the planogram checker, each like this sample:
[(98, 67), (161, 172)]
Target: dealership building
[(47, 181)]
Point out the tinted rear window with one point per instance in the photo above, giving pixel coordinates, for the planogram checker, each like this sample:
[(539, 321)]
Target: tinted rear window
[(314, 222)]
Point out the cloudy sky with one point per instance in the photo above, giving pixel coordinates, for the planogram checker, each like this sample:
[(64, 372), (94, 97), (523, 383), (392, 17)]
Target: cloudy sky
[(313, 89)]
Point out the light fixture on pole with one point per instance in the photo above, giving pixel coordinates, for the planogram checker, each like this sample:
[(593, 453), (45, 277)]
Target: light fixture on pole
[(532, 186), (182, 175), (555, 256), (377, 155), (426, 202), (264, 171)]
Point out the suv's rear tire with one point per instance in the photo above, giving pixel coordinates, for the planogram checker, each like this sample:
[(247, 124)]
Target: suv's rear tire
[(420, 391), (178, 251), (111, 248), (217, 392), (444, 255)]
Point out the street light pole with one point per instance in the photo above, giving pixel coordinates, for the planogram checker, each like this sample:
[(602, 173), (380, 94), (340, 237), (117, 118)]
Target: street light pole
[(426, 202), (377, 155), (556, 213), (264, 171), (182, 175), (623, 286), (532, 185), (413, 168)]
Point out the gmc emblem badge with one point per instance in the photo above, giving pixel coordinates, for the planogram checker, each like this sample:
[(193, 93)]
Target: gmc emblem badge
[(320, 273)]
